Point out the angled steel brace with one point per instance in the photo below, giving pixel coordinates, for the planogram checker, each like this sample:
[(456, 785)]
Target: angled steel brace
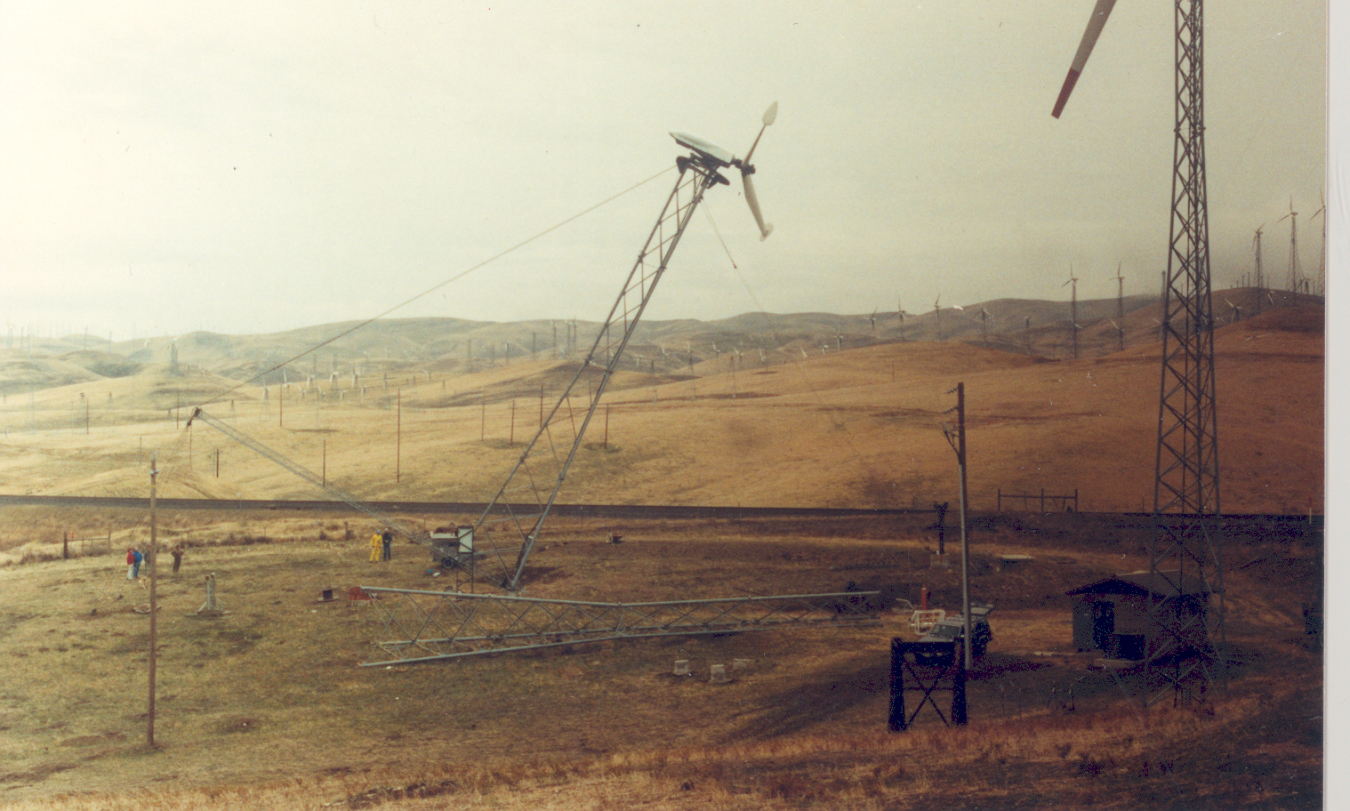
[(543, 465)]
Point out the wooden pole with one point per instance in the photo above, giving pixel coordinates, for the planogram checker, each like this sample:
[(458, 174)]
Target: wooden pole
[(398, 443), (965, 540), (325, 461), (511, 438), (154, 574)]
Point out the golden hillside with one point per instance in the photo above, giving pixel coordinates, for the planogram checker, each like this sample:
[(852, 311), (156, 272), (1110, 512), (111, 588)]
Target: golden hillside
[(857, 427)]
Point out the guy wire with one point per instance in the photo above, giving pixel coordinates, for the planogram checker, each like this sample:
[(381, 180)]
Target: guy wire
[(431, 289)]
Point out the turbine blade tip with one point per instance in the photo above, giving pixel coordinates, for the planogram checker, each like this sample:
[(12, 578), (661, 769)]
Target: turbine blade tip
[(1069, 82)]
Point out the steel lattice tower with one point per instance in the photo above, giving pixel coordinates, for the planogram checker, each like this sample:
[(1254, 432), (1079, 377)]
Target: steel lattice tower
[(1185, 556), (1186, 595)]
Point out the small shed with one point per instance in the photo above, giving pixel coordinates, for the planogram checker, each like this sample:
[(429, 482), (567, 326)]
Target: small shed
[(1111, 615)]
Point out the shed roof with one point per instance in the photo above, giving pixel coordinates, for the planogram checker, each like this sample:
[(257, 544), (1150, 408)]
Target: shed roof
[(1166, 584)]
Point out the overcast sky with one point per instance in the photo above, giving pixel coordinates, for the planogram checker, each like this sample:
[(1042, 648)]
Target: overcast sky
[(245, 167)]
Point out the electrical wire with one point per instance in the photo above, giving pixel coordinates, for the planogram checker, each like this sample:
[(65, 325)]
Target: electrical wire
[(432, 289)]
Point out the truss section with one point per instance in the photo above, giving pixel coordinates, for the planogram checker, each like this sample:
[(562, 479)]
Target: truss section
[(1186, 567), (422, 626), (523, 502)]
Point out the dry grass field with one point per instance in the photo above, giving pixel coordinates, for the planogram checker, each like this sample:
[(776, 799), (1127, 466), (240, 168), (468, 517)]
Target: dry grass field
[(267, 706)]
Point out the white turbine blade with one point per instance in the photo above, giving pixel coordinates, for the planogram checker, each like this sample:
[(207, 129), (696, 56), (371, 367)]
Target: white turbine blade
[(764, 229), (769, 116), (1094, 30)]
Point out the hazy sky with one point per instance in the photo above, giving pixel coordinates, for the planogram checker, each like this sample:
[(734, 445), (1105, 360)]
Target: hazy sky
[(243, 167)]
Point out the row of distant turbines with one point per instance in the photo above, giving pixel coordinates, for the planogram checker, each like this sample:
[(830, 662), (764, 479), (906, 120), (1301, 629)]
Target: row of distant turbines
[(1295, 281)]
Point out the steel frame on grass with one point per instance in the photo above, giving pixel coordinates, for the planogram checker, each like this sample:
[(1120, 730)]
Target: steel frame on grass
[(422, 626)]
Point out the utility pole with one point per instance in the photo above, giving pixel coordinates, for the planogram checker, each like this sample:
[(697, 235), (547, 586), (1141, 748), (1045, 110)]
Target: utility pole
[(154, 575), (398, 441), (958, 443)]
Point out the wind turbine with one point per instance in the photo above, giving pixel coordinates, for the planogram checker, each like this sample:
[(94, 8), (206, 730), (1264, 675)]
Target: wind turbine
[(1260, 278), (1322, 264), (1120, 309), (984, 325), (720, 156), (937, 314), (543, 467), (1294, 280), (1073, 309)]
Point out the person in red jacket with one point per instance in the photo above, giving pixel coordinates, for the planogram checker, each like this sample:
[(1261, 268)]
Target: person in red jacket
[(131, 563)]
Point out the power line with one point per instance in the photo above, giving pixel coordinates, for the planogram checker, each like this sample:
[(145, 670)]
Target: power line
[(431, 289)]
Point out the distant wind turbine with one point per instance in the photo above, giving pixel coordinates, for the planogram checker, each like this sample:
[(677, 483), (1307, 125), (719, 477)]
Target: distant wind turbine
[(1073, 309)]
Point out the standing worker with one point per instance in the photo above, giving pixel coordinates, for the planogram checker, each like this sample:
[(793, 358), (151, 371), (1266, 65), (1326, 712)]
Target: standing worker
[(387, 538), (376, 544), (131, 563), (136, 558)]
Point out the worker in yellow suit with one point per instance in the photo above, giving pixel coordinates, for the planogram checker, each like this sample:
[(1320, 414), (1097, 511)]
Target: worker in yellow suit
[(376, 548)]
